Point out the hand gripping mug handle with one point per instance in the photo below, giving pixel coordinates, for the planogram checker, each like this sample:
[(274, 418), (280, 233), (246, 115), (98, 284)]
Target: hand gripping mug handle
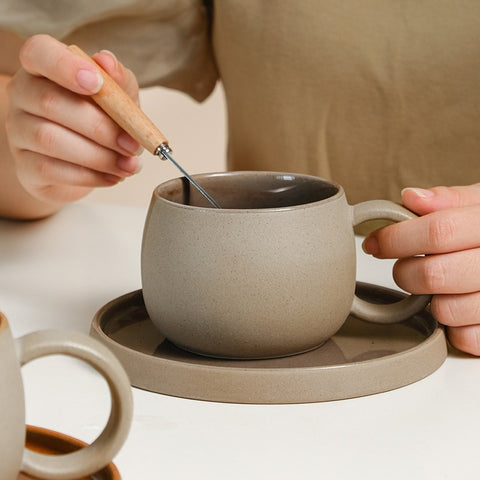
[(96, 456), (405, 308)]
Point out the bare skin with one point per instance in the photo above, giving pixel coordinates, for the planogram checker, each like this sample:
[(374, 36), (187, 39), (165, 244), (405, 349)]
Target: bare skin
[(439, 254), (61, 146), (15, 201), (58, 145)]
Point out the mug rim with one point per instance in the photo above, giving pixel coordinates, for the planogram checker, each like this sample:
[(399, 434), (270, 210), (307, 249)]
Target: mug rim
[(340, 191)]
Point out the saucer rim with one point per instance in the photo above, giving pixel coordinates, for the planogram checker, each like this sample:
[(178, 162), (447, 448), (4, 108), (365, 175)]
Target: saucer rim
[(64, 443), (270, 385)]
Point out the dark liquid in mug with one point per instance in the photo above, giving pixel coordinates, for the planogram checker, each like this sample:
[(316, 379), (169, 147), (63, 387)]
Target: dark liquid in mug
[(250, 191)]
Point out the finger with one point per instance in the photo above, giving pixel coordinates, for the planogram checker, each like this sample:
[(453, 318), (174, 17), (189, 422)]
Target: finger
[(122, 75), (450, 273), (45, 99), (55, 141), (439, 232), (466, 339), (42, 55), (51, 179), (456, 310), (423, 201)]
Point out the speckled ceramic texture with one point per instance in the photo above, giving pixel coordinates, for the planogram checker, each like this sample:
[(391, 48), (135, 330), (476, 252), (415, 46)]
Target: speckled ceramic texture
[(16, 352), (12, 412), (270, 274), (362, 358)]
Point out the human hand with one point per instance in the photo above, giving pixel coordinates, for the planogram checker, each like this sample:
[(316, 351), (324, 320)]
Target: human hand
[(448, 235), (62, 143)]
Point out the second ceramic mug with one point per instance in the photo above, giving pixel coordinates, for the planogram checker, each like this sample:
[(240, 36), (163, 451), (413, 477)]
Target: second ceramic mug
[(87, 461), (272, 273)]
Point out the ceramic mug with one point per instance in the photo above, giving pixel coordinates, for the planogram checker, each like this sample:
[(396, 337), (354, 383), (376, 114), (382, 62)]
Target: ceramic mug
[(15, 353), (271, 273)]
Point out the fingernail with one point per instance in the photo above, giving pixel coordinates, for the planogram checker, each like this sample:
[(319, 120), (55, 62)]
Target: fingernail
[(129, 144), (112, 56), (129, 164), (420, 192), (370, 246), (91, 81)]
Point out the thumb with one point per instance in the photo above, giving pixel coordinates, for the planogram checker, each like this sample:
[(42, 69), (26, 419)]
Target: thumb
[(423, 201)]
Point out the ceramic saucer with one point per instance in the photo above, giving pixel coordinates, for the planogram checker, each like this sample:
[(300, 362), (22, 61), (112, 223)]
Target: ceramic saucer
[(49, 442), (361, 359)]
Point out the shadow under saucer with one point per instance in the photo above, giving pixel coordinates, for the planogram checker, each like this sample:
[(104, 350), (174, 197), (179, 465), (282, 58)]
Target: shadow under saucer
[(362, 358)]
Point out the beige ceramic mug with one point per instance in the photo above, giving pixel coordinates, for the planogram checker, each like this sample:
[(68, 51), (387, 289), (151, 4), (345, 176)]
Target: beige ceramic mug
[(15, 353), (272, 273)]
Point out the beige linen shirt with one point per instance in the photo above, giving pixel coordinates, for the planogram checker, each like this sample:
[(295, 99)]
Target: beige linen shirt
[(165, 42), (374, 94)]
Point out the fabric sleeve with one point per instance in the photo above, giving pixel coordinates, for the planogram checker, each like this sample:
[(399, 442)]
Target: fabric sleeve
[(164, 42)]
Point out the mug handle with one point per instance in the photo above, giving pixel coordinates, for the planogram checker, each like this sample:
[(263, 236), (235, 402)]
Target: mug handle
[(405, 308), (96, 456)]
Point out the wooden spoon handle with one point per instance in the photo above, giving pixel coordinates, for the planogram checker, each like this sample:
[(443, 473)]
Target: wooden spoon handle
[(123, 110)]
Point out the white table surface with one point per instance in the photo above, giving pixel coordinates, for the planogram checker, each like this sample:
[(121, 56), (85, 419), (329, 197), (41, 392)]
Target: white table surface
[(56, 273)]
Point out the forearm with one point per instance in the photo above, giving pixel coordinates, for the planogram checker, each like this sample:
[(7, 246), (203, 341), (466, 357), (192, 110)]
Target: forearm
[(15, 202)]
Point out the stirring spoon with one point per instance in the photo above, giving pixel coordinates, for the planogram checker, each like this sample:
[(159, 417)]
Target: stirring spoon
[(115, 102)]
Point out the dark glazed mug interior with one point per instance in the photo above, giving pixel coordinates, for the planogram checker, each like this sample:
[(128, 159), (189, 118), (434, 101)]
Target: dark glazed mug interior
[(249, 190)]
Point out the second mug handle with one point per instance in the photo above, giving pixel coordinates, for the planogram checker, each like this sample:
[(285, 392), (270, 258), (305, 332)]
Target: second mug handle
[(96, 456), (392, 312)]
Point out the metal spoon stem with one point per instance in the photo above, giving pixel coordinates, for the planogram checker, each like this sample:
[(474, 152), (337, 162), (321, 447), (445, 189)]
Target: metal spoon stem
[(163, 151)]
